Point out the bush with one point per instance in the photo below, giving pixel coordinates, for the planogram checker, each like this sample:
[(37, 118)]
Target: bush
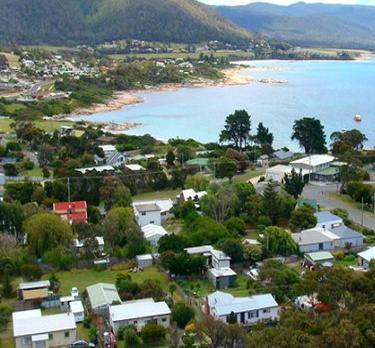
[(93, 335), (5, 313), (31, 272), (153, 333), (339, 255), (182, 314), (349, 258), (131, 338), (59, 257)]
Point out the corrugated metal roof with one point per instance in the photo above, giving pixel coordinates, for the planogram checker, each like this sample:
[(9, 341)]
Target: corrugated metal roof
[(102, 294), (34, 285), (139, 309), (368, 254)]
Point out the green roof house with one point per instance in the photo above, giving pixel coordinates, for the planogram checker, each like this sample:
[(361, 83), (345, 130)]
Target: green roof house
[(100, 296)]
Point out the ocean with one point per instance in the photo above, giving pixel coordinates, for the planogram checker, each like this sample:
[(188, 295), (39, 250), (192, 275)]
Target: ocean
[(333, 91)]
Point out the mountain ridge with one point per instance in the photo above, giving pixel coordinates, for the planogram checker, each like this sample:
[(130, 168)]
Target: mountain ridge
[(97, 21), (327, 25)]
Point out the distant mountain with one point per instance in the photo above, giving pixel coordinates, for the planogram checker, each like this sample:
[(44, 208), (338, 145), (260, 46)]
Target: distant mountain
[(96, 21), (342, 26)]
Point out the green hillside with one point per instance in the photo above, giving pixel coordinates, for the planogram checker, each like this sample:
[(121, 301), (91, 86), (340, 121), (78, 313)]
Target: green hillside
[(341, 26), (94, 21)]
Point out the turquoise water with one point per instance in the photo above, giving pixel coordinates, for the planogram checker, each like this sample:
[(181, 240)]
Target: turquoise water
[(331, 91)]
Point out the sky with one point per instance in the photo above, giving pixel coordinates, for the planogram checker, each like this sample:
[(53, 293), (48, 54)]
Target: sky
[(288, 2)]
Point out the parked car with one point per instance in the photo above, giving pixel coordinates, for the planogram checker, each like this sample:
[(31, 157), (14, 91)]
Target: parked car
[(82, 344)]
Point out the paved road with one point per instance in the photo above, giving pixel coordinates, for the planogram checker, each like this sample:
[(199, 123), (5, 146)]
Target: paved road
[(318, 193)]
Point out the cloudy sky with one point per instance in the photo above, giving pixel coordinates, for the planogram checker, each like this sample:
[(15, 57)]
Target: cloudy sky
[(287, 2)]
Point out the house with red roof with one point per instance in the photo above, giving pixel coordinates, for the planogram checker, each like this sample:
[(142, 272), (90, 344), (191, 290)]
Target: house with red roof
[(71, 211)]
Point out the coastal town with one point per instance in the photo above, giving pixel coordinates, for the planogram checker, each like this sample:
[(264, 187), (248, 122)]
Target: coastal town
[(171, 177)]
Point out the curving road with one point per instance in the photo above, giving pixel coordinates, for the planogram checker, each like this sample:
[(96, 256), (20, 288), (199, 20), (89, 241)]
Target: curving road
[(318, 193)]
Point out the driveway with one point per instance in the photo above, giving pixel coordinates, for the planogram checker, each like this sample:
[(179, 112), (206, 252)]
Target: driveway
[(318, 193)]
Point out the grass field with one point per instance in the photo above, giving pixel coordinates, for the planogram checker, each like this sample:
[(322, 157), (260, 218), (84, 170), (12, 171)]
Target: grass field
[(156, 195), (46, 125), (37, 171), (245, 177), (83, 278)]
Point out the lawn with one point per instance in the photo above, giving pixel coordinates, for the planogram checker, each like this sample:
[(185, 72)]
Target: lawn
[(36, 171), (240, 288), (83, 278), (245, 177), (198, 288), (46, 125), (156, 195)]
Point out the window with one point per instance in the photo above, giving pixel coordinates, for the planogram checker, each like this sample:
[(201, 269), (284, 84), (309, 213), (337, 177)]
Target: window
[(66, 334), (50, 336), (26, 340), (143, 213), (267, 310), (164, 320), (135, 322), (40, 344), (152, 222)]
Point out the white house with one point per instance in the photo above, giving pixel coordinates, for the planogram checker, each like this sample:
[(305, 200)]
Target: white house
[(112, 156), (218, 265), (145, 260), (139, 313), (315, 239), (190, 195), (247, 310), (326, 219), (314, 163), (152, 212), (76, 308), (277, 173), (365, 257), (32, 330), (152, 233), (134, 167), (99, 169)]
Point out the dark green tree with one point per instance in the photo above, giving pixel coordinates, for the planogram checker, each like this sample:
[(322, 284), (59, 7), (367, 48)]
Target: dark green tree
[(182, 314), (302, 219), (237, 129), (294, 183), (309, 132), (263, 136), (225, 168), (170, 158)]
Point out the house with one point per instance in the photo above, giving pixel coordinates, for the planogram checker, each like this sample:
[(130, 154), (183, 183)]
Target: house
[(112, 156), (365, 257), (32, 330), (190, 195), (34, 290), (282, 155), (139, 313), (246, 310), (147, 214), (326, 239), (313, 163), (100, 296), (152, 212), (319, 258), (201, 163), (218, 265), (71, 211), (99, 169), (315, 239), (152, 233), (134, 167), (65, 301), (263, 160), (76, 308), (326, 219)]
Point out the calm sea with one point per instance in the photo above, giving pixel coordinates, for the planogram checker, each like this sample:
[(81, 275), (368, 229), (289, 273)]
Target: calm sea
[(332, 91)]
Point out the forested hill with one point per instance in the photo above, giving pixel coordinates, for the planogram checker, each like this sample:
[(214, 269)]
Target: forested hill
[(96, 21), (342, 26)]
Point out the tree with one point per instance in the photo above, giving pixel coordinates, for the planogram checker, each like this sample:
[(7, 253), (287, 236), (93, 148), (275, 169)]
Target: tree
[(279, 242), (170, 158), (263, 136), (233, 248), (294, 183), (232, 319), (225, 168), (309, 132), (239, 157), (352, 140), (237, 129), (198, 182), (45, 232), (220, 203), (182, 314), (244, 191), (270, 206), (153, 333), (172, 288), (171, 242), (235, 225), (31, 272), (302, 219), (131, 338), (115, 193), (184, 153)]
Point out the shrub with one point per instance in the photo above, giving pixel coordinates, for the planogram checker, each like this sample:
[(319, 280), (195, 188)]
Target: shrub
[(349, 258), (153, 333), (339, 255), (131, 338), (93, 335), (182, 314), (59, 257), (31, 272), (5, 313)]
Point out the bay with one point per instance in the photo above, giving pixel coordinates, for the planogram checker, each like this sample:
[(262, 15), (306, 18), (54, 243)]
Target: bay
[(333, 91)]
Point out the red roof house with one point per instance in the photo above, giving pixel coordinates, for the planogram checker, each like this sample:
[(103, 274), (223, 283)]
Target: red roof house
[(71, 211)]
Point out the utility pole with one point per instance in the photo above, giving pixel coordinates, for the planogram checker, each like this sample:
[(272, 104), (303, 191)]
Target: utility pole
[(69, 190)]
